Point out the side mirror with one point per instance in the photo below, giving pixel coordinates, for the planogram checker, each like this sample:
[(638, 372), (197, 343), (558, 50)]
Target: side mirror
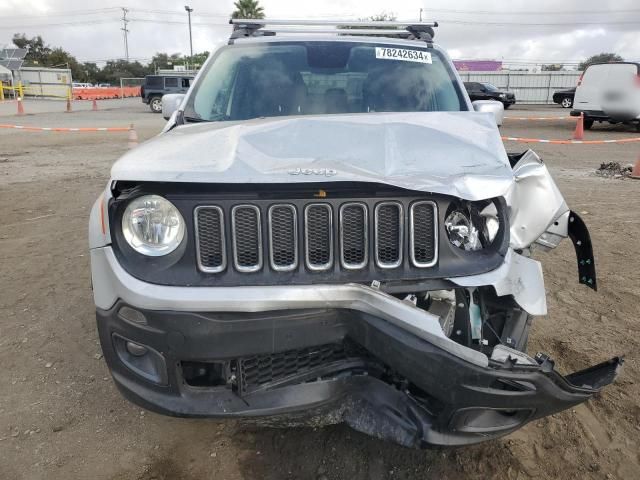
[(487, 106), (170, 103)]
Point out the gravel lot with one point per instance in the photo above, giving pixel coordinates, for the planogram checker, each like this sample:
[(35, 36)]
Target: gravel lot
[(61, 417)]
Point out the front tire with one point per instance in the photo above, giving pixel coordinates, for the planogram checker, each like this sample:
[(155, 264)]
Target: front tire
[(588, 123), (506, 106), (567, 102), (155, 104)]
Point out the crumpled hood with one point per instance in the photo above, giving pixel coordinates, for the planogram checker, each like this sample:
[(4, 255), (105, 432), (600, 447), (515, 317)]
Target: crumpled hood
[(455, 153)]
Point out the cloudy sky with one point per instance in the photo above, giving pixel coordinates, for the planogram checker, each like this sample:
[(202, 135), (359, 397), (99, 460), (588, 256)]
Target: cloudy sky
[(514, 31)]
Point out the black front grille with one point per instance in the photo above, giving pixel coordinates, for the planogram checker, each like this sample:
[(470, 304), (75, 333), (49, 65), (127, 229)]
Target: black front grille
[(389, 234), (261, 371), (423, 234), (319, 236), (283, 234), (210, 236), (369, 237), (354, 235), (247, 238)]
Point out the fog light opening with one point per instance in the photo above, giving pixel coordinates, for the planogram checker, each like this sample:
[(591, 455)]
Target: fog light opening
[(135, 349), (131, 315)]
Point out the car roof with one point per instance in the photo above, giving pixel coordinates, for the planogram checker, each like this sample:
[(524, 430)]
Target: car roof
[(261, 40), (615, 63)]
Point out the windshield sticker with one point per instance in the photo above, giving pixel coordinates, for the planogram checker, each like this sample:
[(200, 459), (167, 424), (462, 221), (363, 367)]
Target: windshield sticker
[(403, 54)]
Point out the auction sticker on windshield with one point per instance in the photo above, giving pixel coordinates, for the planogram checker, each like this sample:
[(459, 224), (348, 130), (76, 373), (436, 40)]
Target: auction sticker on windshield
[(403, 54)]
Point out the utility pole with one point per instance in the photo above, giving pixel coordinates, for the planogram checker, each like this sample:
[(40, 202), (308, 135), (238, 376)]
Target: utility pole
[(126, 32), (420, 14), (189, 10)]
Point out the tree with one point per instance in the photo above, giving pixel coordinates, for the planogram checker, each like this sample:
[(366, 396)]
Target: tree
[(382, 17), (247, 9), (59, 58), (600, 58), (90, 72), (197, 60), (114, 70), (38, 52), (165, 61)]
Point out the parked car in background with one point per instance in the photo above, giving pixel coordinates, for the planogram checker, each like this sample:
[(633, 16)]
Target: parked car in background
[(564, 97), (609, 92), (487, 91), (155, 86)]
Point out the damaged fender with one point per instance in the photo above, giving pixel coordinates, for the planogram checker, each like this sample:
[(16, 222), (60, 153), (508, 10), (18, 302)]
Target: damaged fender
[(518, 276), (539, 218), (535, 205)]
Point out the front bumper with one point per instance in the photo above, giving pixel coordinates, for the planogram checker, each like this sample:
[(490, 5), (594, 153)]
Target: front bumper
[(444, 400), (602, 116), (406, 382)]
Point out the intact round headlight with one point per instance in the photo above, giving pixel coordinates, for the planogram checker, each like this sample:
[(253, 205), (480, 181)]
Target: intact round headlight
[(152, 226), (470, 229)]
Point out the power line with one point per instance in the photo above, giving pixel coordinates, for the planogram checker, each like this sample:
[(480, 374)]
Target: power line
[(68, 13), (126, 32), (536, 24), (522, 12), (59, 24)]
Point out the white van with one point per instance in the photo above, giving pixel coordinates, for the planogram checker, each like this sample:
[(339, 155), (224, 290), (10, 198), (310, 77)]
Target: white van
[(609, 92)]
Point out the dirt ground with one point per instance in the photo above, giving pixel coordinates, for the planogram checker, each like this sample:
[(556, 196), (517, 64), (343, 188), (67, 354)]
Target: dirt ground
[(61, 417)]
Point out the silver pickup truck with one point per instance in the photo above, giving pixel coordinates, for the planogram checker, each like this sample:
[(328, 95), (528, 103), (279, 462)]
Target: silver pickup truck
[(328, 230)]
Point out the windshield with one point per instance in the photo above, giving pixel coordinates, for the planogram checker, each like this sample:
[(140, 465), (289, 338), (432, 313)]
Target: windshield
[(490, 87), (310, 78)]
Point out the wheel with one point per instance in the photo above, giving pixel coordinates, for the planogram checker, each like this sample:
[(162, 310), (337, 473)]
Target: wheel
[(638, 127), (506, 106), (567, 102), (588, 123), (156, 104)]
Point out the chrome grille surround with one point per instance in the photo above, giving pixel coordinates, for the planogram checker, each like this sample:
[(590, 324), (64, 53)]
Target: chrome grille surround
[(351, 235), (278, 235), (419, 234), (213, 245), (314, 229), (245, 242), (385, 225), (354, 239)]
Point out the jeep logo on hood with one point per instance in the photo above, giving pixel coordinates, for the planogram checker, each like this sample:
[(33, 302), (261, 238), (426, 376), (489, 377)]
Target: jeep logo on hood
[(325, 172)]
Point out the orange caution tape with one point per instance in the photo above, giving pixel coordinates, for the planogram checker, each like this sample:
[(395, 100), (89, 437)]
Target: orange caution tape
[(103, 93), (66, 129), (571, 142)]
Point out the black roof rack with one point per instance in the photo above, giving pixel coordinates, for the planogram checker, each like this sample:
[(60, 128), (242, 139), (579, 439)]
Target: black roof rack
[(246, 27)]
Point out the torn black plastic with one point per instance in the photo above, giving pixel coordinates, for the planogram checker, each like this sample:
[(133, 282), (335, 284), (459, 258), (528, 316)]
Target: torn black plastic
[(579, 235), (406, 389)]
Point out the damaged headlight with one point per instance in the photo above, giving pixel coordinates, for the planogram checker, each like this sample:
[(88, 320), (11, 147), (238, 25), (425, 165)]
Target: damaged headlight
[(472, 229), (152, 225)]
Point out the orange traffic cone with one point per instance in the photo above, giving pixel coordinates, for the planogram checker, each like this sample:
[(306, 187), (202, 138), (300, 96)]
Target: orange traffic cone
[(20, 107), (133, 137), (94, 106), (635, 173), (578, 134), (68, 110)]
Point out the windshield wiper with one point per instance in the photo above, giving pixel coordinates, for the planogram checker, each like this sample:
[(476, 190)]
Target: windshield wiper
[(194, 119)]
